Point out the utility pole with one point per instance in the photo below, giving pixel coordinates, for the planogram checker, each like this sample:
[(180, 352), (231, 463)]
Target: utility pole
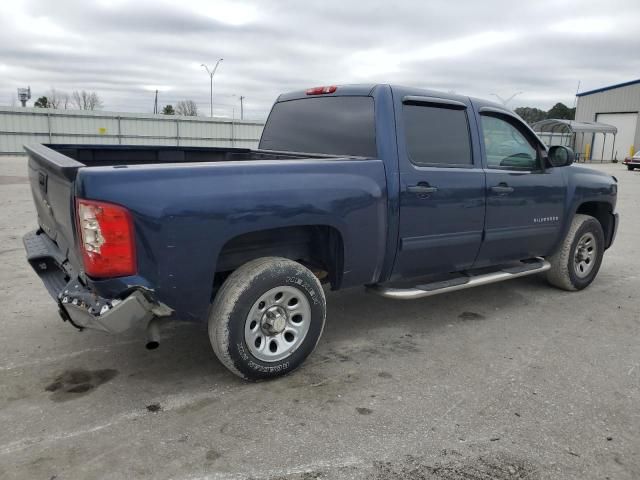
[(241, 107), (211, 74), (155, 103)]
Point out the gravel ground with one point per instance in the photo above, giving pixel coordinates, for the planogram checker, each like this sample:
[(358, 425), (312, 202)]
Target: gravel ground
[(513, 380)]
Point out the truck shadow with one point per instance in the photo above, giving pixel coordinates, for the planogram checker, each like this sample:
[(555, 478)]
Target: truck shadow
[(355, 322), (354, 310)]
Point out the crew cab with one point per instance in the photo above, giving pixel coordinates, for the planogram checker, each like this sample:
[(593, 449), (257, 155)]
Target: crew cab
[(406, 191)]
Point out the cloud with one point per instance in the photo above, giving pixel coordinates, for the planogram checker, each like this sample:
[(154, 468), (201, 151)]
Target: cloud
[(122, 49), (365, 63), (585, 25)]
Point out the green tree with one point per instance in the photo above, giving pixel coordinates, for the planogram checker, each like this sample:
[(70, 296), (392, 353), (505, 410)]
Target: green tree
[(531, 114), (560, 110), (42, 102), (168, 110)]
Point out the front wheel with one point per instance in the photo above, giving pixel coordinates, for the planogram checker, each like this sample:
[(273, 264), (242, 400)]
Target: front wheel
[(630, 167), (576, 263), (267, 318)]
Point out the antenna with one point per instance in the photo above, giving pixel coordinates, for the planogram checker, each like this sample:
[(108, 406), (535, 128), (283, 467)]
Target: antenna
[(24, 94), (575, 99)]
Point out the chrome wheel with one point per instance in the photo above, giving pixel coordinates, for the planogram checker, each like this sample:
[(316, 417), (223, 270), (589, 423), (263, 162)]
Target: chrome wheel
[(277, 323), (585, 255)]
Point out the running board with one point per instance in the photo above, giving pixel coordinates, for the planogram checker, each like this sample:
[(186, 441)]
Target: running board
[(537, 265)]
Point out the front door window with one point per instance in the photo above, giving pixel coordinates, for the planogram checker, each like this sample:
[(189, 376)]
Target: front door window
[(506, 147)]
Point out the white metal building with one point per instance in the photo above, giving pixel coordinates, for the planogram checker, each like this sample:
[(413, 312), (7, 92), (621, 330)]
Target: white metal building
[(20, 126), (617, 105)]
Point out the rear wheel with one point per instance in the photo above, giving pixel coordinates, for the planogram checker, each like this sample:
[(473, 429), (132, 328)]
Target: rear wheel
[(267, 318), (630, 167), (576, 263)]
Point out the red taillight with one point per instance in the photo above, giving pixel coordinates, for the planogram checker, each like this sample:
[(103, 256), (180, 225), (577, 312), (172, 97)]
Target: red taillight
[(106, 239), (321, 90)]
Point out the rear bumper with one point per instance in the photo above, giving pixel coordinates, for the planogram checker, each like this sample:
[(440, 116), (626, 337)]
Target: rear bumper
[(79, 305)]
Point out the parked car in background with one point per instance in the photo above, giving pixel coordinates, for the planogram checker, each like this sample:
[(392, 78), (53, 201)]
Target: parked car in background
[(439, 192), (632, 162)]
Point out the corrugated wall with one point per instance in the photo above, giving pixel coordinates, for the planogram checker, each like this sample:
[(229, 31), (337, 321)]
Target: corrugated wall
[(617, 100), (20, 126)]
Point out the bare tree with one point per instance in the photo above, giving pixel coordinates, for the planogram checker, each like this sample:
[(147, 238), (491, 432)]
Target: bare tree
[(59, 100), (54, 99), (84, 100), (77, 99), (187, 108)]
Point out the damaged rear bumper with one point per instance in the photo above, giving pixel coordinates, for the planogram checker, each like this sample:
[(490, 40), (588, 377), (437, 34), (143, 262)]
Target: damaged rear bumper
[(82, 307)]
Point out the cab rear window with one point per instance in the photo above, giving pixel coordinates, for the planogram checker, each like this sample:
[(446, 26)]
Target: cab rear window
[(329, 125)]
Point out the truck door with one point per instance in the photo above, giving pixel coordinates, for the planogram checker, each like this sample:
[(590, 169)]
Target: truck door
[(525, 201), (442, 186)]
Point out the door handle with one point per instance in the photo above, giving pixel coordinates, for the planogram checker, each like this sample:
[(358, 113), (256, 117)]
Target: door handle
[(502, 189), (422, 189)]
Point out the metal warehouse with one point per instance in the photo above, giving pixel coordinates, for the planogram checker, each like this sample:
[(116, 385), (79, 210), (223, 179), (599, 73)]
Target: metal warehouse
[(616, 105)]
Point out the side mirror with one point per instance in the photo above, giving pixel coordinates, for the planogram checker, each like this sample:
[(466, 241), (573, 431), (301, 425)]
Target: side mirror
[(560, 156)]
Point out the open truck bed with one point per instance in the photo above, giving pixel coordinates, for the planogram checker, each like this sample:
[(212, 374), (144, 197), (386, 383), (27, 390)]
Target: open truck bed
[(67, 159), (53, 170), (189, 215)]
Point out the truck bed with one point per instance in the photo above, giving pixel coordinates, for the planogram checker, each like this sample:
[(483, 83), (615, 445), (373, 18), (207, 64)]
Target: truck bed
[(67, 159), (195, 211)]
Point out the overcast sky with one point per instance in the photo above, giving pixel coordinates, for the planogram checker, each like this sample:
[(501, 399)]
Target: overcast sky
[(125, 49)]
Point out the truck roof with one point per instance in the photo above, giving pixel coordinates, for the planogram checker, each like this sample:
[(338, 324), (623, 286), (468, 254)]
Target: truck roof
[(366, 89), (343, 90)]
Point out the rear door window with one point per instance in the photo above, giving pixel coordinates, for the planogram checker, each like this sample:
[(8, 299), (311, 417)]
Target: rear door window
[(330, 125), (437, 136)]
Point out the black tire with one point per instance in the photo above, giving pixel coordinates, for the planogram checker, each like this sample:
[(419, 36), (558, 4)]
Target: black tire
[(630, 167), (237, 299), (564, 271)]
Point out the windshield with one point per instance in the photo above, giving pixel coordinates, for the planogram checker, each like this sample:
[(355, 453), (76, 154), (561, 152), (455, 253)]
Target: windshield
[(330, 125)]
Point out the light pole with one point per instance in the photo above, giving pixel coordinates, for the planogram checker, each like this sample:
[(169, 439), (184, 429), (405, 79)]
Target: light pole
[(211, 74)]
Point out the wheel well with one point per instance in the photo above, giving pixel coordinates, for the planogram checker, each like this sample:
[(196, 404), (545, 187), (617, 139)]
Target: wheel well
[(602, 212), (318, 247)]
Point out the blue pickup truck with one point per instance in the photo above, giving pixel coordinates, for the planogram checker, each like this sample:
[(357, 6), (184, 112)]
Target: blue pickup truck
[(408, 192)]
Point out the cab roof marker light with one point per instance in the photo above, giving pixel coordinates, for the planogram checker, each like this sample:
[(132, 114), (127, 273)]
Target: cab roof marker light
[(322, 90)]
